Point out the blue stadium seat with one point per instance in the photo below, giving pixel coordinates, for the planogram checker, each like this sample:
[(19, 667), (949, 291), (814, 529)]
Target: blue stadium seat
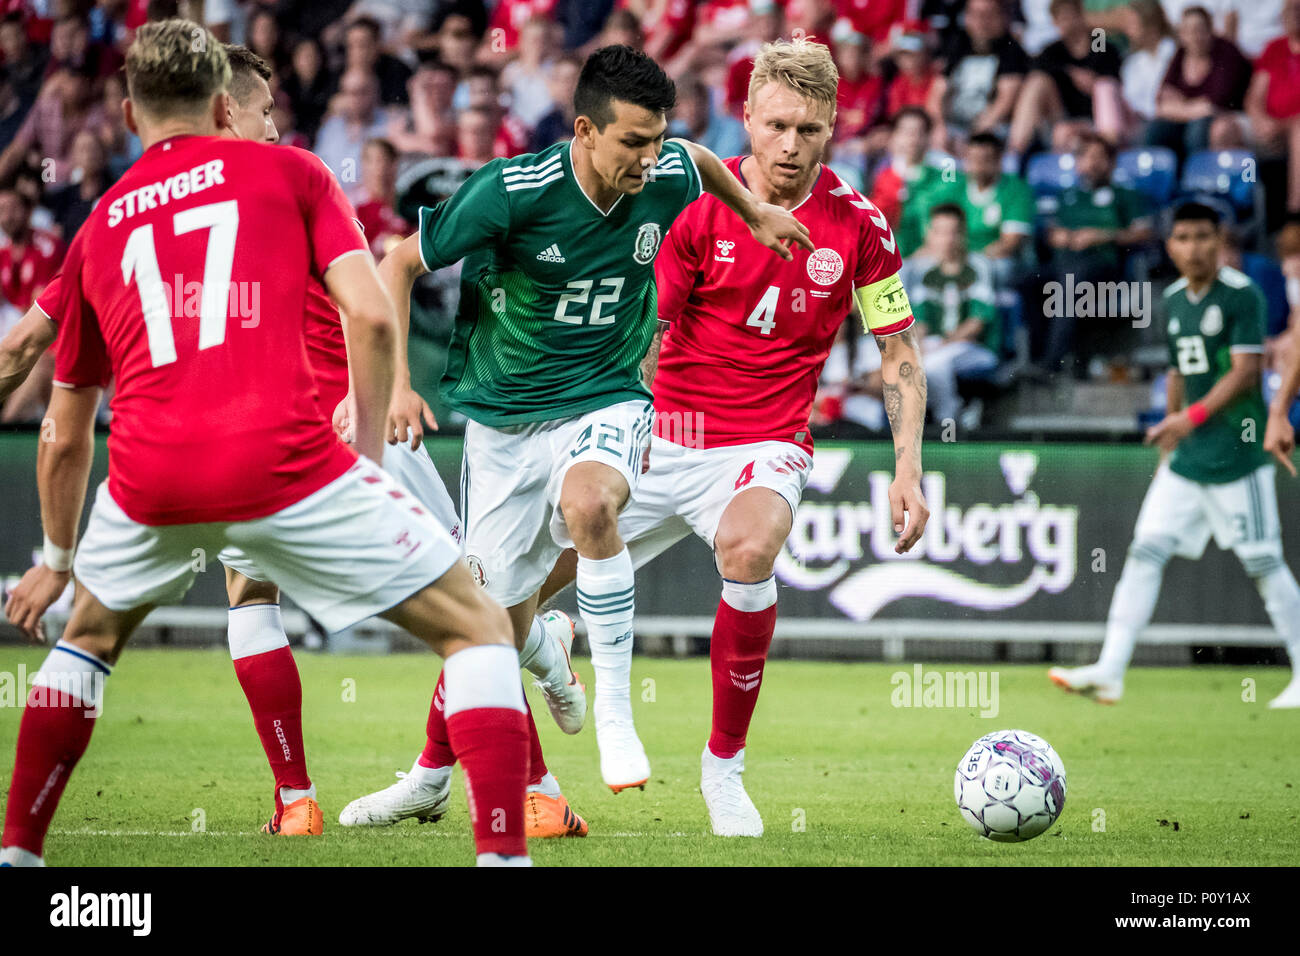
[(1151, 170), (1050, 174), (1230, 174)]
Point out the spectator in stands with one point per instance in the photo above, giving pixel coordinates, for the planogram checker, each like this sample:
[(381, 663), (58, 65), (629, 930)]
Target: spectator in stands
[(1072, 85), (355, 116), (12, 109), (509, 19), (916, 74), (70, 45), (584, 20), (88, 180), (765, 25), (622, 27), (361, 53), (511, 136), (860, 100), (983, 72), (24, 60), (121, 146), (29, 259), (1249, 24), (696, 119), (308, 85), (1207, 78), (1095, 222), (525, 78), (264, 37), (1268, 275), (476, 131), (905, 184), (558, 123), (953, 298), (377, 212), (429, 126), (999, 211), (1273, 101), (1150, 49), (65, 105)]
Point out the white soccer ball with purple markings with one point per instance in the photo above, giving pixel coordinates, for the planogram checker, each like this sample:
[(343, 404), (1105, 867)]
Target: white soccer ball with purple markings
[(1010, 786)]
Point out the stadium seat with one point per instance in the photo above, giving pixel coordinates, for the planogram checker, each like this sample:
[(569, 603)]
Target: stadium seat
[(1228, 173), (1151, 170), (1050, 174)]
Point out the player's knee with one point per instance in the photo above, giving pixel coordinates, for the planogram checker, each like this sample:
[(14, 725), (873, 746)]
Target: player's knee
[(592, 515), (744, 557), (492, 624), (1151, 551)]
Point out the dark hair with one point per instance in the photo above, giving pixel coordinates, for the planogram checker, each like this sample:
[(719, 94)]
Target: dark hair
[(1058, 4), (991, 140), (380, 143), (1093, 138), (431, 61), (621, 73), (1198, 11), (1195, 212), (916, 113), (368, 23), (948, 209), (482, 70), (244, 66)]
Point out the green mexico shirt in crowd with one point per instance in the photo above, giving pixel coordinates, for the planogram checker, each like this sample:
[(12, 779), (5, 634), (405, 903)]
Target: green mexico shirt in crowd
[(1203, 333), (557, 299), (926, 187), (1006, 206), (1105, 207), (943, 300)]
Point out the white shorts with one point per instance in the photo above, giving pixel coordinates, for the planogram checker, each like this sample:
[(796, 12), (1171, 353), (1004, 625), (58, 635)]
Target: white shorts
[(412, 470), (510, 483), (688, 489), (358, 546), (1178, 517)]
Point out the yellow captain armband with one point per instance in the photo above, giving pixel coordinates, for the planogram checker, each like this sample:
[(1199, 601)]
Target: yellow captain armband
[(884, 306)]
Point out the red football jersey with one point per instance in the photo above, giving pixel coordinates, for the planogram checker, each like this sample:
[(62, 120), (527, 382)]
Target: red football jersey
[(189, 285), (23, 278), (750, 332)]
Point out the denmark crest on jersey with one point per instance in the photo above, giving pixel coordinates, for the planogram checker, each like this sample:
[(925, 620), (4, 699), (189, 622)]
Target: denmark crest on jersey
[(647, 243), (825, 267)]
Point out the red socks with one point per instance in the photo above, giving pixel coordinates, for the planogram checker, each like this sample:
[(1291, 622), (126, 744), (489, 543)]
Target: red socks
[(274, 690), (737, 653), (437, 745), (488, 732), (52, 735)]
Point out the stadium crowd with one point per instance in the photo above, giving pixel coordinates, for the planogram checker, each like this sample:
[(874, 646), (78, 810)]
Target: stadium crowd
[(1013, 145)]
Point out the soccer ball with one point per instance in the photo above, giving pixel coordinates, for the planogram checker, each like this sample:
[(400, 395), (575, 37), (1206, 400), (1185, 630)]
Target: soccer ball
[(1010, 786)]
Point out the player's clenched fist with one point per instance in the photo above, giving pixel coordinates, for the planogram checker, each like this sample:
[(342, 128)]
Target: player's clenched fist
[(777, 228)]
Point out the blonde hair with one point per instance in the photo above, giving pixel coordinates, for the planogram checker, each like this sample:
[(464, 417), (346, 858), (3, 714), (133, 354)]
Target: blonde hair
[(175, 67), (802, 65)]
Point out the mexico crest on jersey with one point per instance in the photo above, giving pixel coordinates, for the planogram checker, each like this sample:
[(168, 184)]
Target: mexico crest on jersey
[(825, 267), (647, 243), (1212, 321)]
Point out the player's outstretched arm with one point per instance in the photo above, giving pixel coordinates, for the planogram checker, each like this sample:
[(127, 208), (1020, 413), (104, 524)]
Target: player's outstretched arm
[(63, 461), (770, 225), (1279, 436), (903, 381), (22, 348), (370, 333), (1179, 422), (409, 412)]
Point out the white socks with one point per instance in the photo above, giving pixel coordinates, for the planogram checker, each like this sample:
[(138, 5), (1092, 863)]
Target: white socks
[(1131, 607), (1281, 597), (607, 601), (548, 786), (749, 598), (254, 629), (485, 675), (542, 657), (68, 669)]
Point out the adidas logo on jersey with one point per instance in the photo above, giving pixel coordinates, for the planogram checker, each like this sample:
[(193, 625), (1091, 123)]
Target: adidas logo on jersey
[(550, 254)]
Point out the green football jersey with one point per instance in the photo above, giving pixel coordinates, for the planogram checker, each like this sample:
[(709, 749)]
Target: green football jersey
[(1203, 334), (1006, 206), (942, 302), (557, 299)]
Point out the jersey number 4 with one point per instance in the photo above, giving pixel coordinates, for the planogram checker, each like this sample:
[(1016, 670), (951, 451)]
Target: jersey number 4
[(140, 261)]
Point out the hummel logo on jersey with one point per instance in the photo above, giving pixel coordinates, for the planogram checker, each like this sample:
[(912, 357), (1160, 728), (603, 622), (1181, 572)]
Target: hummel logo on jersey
[(550, 254), (724, 250)]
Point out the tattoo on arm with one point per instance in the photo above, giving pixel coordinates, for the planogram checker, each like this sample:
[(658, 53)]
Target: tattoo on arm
[(905, 399), (650, 363)]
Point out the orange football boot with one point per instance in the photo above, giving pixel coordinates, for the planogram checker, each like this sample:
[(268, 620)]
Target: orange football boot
[(300, 818), (551, 817)]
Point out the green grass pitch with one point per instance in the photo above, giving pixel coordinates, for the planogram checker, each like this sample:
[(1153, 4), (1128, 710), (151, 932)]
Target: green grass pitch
[(1182, 772)]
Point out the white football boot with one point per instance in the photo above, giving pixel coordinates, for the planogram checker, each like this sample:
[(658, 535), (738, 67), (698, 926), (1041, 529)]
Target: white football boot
[(1091, 681), (731, 811), (565, 695), (422, 793), (623, 763), (1290, 696)]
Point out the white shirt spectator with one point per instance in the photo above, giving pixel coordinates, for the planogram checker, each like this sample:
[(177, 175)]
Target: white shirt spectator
[(1141, 74), (1039, 29), (530, 97), (340, 150)]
